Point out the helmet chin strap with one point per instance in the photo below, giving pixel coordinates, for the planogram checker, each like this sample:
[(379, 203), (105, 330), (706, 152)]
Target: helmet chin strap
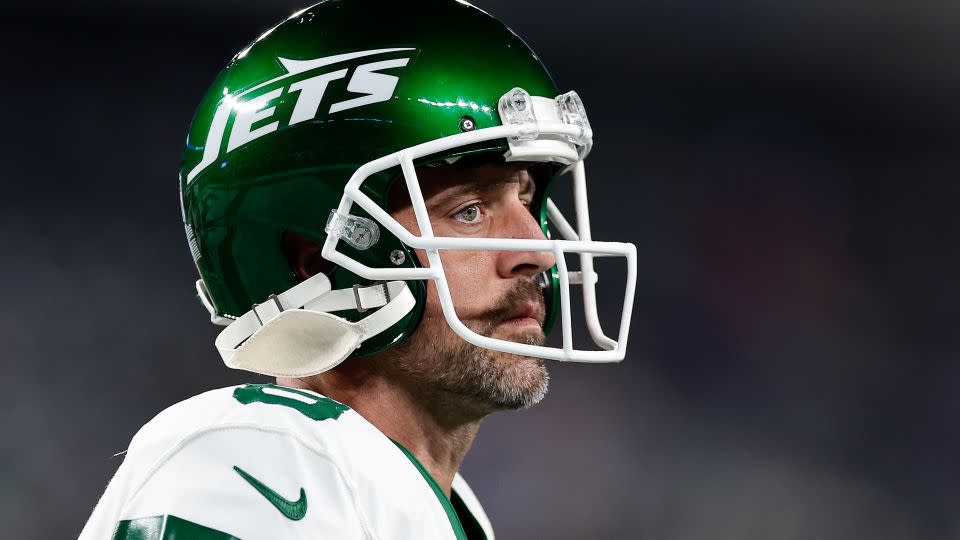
[(293, 334)]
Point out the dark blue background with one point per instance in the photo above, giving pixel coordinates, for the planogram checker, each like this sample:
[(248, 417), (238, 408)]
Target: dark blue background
[(788, 171)]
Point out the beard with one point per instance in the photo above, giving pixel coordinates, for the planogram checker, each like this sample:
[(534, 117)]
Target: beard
[(491, 380)]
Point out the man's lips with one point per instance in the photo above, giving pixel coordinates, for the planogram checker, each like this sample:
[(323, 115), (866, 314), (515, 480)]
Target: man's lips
[(526, 313)]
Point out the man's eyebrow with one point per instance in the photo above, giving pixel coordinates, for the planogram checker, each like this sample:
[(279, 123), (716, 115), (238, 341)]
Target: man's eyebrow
[(460, 190), (479, 185)]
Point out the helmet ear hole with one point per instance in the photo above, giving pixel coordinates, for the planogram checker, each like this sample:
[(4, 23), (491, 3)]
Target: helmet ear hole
[(303, 254)]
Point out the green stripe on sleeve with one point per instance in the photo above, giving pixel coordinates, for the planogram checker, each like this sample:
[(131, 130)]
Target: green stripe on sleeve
[(166, 528)]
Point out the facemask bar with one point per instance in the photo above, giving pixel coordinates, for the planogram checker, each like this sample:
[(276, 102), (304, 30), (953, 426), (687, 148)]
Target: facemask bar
[(578, 241), (587, 275)]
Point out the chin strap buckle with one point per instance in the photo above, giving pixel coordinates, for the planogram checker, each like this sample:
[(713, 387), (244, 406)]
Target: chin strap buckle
[(267, 310), (376, 294)]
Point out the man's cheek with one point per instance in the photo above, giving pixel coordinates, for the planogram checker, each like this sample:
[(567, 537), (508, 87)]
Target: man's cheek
[(470, 275), (461, 306)]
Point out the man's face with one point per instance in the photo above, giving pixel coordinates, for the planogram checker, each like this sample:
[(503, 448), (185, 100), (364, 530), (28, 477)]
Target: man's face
[(495, 293)]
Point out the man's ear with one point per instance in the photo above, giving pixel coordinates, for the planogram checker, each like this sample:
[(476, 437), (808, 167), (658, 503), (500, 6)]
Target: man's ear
[(303, 255)]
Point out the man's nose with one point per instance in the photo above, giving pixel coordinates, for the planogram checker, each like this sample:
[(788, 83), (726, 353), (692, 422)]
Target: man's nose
[(520, 223)]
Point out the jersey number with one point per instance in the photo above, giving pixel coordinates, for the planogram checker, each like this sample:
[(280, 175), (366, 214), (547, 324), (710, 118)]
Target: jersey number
[(309, 405)]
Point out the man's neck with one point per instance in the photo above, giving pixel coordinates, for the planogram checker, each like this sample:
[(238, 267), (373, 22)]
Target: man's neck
[(434, 428)]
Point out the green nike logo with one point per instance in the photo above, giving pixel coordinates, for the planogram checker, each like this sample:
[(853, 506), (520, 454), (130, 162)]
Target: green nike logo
[(294, 510)]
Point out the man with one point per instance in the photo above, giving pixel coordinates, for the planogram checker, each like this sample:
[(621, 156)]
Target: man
[(371, 177)]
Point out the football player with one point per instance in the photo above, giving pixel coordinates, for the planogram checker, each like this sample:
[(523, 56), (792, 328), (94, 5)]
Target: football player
[(365, 194)]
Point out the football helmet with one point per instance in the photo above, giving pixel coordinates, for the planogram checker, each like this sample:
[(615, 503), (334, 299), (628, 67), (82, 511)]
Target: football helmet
[(307, 129)]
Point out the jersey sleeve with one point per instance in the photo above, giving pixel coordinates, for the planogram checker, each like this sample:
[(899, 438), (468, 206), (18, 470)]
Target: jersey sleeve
[(233, 482)]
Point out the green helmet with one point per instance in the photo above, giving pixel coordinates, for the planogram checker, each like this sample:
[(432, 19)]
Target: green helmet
[(278, 141)]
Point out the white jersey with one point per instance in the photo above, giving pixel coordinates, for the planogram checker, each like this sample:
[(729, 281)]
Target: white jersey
[(267, 462)]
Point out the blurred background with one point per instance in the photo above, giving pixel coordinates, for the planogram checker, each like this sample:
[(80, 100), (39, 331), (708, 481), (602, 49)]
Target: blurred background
[(788, 171)]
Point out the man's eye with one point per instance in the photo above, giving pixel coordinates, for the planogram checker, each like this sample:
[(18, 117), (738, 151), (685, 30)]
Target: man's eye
[(470, 214)]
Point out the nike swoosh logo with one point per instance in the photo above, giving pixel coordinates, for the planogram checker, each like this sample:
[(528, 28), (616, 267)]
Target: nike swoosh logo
[(294, 510)]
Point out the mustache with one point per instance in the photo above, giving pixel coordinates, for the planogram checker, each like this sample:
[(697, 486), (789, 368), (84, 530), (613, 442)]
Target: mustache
[(521, 293)]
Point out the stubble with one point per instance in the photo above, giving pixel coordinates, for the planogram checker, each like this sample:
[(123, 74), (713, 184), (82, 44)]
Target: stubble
[(435, 356)]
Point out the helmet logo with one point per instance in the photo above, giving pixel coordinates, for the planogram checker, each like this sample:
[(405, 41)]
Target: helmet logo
[(251, 108)]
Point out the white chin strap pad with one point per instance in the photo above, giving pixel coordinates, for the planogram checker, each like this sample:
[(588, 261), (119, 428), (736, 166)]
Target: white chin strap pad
[(293, 334), (298, 343)]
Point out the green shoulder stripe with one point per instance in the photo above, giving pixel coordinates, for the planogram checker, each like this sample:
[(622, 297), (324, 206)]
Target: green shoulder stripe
[(166, 528)]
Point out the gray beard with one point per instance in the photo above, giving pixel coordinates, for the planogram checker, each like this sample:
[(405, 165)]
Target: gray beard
[(490, 379)]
